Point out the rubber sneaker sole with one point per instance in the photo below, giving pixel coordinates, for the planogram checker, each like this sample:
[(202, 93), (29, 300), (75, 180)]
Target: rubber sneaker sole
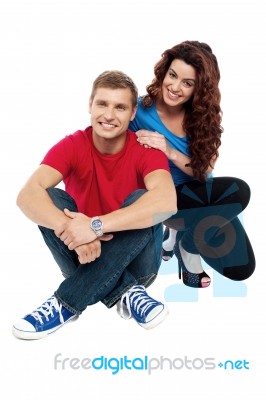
[(156, 320), (33, 335)]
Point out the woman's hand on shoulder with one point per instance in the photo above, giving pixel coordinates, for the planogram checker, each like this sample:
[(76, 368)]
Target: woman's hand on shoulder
[(153, 140)]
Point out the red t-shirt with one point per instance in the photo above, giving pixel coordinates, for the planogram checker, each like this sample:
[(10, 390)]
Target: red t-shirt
[(100, 183)]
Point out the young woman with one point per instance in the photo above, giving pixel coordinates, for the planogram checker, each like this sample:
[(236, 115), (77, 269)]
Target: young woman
[(181, 116)]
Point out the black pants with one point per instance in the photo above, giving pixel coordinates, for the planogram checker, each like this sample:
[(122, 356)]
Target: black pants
[(208, 224)]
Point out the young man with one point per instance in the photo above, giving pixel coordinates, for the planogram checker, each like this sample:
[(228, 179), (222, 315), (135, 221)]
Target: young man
[(104, 230)]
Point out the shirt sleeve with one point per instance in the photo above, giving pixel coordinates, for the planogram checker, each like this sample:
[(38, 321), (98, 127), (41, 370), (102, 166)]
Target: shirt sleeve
[(61, 156), (152, 160)]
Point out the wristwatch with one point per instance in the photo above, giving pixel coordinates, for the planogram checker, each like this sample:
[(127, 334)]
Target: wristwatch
[(97, 226)]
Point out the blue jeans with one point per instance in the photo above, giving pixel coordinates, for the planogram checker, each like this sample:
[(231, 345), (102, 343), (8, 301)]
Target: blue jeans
[(131, 257)]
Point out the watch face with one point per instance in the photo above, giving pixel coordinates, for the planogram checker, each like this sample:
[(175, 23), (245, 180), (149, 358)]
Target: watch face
[(96, 224)]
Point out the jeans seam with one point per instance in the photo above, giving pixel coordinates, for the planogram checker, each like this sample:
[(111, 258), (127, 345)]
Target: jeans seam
[(123, 266), (150, 278), (67, 306)]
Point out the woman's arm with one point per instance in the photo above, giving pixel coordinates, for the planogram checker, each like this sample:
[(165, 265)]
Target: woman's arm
[(158, 141)]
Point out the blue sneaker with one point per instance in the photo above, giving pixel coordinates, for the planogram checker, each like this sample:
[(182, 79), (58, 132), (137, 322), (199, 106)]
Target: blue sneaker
[(147, 311), (46, 319)]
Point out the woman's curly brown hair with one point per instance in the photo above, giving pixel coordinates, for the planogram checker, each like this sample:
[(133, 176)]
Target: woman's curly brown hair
[(203, 114)]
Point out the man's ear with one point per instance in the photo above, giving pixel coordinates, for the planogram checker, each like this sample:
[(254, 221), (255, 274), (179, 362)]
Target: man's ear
[(133, 113)]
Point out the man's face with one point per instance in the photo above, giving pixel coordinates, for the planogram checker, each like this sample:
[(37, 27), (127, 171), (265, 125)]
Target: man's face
[(111, 111)]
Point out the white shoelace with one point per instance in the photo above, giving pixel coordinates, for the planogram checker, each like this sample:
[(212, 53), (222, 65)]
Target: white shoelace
[(47, 309), (140, 301)]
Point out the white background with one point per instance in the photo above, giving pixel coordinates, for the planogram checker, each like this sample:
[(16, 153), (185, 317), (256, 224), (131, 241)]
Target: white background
[(50, 52)]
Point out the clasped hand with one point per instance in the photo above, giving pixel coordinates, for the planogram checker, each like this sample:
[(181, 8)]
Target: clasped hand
[(77, 235)]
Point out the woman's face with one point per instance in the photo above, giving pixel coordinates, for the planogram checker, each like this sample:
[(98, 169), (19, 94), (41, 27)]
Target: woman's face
[(179, 83)]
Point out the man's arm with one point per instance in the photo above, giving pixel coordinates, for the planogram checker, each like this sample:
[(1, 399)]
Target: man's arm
[(154, 206), (36, 204)]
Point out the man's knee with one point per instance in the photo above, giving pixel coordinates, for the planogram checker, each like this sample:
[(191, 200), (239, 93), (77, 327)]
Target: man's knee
[(62, 199), (133, 197)]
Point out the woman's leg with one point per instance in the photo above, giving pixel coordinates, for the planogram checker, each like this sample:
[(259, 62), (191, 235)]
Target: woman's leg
[(208, 216)]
